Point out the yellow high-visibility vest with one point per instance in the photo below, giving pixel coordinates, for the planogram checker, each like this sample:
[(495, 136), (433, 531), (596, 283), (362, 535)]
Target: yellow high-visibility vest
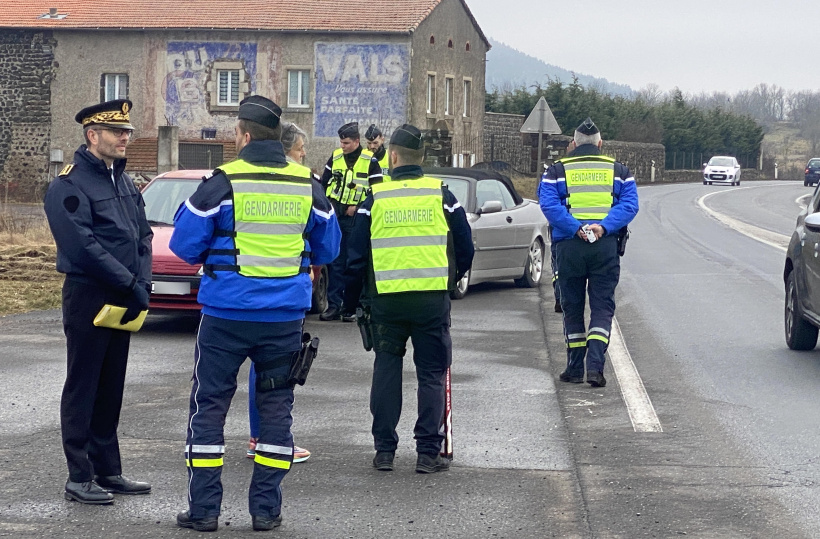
[(384, 162), (271, 209), (590, 180), (408, 236), (354, 181)]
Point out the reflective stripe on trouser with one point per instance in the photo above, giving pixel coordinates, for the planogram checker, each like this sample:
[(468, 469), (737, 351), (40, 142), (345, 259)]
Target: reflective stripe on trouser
[(594, 269), (222, 346), (424, 317)]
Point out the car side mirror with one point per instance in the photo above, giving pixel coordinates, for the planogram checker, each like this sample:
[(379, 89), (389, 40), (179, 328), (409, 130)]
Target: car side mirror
[(491, 206), (812, 222), (704, 165)]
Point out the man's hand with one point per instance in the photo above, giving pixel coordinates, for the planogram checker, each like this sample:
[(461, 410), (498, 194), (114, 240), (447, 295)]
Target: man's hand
[(135, 303), (598, 230), (350, 211)]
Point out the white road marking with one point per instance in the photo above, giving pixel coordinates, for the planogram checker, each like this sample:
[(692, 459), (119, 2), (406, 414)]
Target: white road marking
[(641, 412), (772, 239)]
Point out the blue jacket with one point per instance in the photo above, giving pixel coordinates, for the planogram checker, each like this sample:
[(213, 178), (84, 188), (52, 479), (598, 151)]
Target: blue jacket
[(460, 247), (231, 295), (97, 217), (552, 193)]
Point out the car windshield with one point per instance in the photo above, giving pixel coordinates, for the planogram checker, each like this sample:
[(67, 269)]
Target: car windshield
[(721, 162), (163, 197), (814, 163), (459, 188)]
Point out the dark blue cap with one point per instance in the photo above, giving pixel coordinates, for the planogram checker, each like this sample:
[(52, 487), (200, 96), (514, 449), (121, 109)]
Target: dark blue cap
[(407, 136), (588, 127), (261, 110), (372, 132), (350, 130)]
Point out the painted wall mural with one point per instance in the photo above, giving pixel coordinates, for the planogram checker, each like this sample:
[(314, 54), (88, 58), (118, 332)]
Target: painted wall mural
[(188, 68), (365, 82)]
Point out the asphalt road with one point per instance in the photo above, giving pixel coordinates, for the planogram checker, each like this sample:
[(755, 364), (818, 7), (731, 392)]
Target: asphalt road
[(700, 308)]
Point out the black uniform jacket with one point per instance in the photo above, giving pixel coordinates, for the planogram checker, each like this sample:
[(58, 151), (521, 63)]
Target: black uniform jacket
[(99, 225), (460, 248)]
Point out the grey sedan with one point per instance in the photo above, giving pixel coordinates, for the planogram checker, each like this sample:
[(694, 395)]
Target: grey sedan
[(509, 232)]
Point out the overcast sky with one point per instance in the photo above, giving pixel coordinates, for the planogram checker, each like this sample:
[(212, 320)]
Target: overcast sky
[(697, 45)]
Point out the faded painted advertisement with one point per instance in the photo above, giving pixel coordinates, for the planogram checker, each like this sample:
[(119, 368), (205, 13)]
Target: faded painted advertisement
[(365, 83), (189, 65)]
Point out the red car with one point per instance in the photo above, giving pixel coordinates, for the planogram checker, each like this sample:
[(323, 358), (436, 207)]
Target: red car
[(174, 283)]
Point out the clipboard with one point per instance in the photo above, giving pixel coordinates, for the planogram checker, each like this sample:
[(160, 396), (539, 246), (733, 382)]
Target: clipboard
[(110, 316)]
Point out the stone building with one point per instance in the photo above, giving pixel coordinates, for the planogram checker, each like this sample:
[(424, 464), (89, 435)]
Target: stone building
[(189, 64)]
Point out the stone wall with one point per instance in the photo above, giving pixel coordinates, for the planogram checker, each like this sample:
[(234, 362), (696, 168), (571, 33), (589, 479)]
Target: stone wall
[(638, 156), (504, 142), (26, 70)]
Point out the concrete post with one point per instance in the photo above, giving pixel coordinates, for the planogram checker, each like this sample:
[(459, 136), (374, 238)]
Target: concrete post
[(167, 148)]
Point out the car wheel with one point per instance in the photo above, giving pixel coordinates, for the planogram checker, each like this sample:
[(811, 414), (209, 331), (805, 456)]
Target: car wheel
[(461, 287), (704, 182), (534, 266), (805, 184), (318, 303), (800, 334)]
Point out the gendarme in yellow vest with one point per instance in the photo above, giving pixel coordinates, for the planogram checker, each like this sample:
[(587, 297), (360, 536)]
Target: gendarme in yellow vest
[(353, 187), (408, 236), (590, 180), (271, 209)]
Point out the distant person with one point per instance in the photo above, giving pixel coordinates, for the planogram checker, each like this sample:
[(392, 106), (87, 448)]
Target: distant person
[(407, 267), (588, 199), (348, 175), (375, 143), (97, 217), (256, 225), (293, 142)]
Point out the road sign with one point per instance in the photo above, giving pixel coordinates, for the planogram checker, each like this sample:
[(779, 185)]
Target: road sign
[(541, 120)]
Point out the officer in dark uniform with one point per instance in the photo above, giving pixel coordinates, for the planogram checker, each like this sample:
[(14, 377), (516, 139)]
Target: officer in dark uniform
[(375, 143), (410, 244), (256, 225), (97, 217), (348, 174), (588, 199)]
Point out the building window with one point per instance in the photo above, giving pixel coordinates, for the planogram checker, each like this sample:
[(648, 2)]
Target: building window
[(468, 98), (450, 44), (114, 86), (432, 40), (467, 47), (431, 93), (298, 88), (228, 94), (448, 96)]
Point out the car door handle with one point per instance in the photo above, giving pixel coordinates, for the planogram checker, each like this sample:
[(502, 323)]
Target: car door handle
[(509, 219)]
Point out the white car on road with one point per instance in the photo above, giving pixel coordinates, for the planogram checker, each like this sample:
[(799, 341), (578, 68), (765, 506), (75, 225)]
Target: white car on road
[(721, 169)]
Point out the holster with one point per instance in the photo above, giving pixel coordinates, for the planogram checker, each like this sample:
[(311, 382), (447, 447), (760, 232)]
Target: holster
[(303, 360), (365, 327), (623, 236)]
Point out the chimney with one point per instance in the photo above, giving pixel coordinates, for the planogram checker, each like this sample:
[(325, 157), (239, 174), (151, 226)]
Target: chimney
[(52, 12)]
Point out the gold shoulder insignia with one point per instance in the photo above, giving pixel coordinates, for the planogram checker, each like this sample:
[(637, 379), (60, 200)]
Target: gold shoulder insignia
[(66, 170)]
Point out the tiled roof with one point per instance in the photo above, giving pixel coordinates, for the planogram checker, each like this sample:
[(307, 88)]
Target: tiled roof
[(382, 16)]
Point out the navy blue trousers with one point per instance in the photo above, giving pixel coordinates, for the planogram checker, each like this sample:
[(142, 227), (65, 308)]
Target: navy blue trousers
[(424, 317), (221, 348), (95, 378), (336, 269), (593, 269)]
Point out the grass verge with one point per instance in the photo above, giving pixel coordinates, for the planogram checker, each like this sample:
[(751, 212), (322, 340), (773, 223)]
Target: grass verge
[(28, 276)]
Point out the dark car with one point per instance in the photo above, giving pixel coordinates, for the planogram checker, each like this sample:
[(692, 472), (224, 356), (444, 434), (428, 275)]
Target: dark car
[(802, 279), (509, 232), (812, 172), (175, 283)]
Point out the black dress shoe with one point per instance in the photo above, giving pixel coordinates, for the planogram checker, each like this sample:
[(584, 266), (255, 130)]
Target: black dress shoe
[(596, 379), (431, 463), (87, 492), (565, 377), (122, 485), (383, 461), (348, 317), (332, 313), (208, 524), (262, 524)]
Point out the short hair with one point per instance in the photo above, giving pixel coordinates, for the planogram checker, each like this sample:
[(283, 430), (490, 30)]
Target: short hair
[(408, 156), (581, 139), (259, 131), (290, 134), (86, 129)]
